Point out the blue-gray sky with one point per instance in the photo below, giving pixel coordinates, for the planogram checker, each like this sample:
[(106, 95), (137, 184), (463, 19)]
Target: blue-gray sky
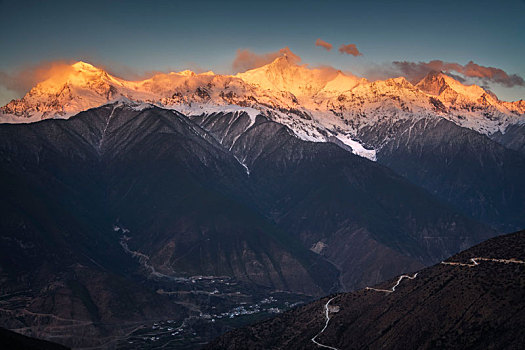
[(134, 37)]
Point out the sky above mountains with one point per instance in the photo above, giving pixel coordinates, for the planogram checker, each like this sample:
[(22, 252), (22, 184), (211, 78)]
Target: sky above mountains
[(481, 42)]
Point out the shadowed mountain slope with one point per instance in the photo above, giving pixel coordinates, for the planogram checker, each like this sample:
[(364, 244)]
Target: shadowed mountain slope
[(96, 206), (358, 214), (462, 303), (475, 174)]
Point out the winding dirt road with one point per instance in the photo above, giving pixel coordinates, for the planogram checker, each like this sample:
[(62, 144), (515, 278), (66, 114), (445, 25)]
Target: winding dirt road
[(327, 316), (393, 289), (473, 262)]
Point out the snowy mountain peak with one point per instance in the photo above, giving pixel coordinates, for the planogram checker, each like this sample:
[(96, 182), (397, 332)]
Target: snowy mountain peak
[(69, 90), (318, 104), (83, 66), (77, 75), (433, 83), (342, 83), (284, 74), (283, 60), (187, 73), (441, 84)]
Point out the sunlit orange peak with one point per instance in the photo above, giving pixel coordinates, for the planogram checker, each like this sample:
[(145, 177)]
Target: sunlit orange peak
[(80, 65), (187, 73)]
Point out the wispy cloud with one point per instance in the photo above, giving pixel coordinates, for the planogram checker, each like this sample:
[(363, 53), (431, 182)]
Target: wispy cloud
[(323, 44), (350, 49)]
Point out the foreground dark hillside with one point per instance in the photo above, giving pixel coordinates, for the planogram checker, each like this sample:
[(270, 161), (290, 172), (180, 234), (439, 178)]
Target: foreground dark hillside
[(446, 306), (11, 340)]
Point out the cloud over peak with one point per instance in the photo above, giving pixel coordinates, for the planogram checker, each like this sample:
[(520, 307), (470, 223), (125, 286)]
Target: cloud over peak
[(415, 71), (246, 59), (22, 80)]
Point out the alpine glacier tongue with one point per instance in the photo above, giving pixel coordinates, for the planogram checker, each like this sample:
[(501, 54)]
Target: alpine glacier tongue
[(317, 104)]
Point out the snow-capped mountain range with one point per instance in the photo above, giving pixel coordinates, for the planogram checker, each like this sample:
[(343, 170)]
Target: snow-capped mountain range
[(317, 104)]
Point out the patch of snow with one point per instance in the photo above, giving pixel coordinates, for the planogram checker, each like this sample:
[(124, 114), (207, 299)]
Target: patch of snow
[(211, 108), (244, 165), (142, 106), (14, 119), (358, 148), (318, 247)]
